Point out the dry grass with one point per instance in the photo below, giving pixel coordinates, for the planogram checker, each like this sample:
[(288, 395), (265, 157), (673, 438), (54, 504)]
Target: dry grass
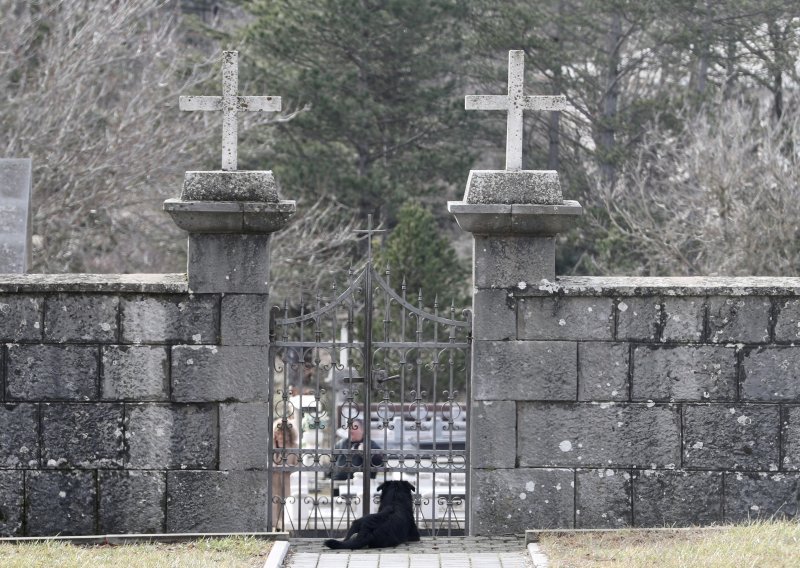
[(763, 544), (245, 552)]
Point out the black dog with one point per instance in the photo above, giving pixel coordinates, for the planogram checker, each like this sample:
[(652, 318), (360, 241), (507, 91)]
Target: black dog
[(393, 524)]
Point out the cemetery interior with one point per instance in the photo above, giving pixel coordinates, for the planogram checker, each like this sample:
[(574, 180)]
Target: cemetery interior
[(296, 363)]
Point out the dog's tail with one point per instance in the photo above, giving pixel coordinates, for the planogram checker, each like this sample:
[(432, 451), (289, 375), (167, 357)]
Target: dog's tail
[(334, 544)]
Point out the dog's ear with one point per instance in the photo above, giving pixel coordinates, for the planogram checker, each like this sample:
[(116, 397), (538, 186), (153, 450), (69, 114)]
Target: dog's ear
[(411, 487), (381, 486)]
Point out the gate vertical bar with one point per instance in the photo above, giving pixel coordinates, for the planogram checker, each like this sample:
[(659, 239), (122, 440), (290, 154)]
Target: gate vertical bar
[(366, 501)]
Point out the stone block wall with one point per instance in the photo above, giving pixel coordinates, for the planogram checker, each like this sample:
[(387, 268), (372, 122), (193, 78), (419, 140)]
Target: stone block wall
[(614, 402), (128, 404)]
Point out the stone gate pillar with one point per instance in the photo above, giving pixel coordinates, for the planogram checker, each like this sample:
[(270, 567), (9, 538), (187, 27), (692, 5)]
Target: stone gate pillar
[(514, 215)]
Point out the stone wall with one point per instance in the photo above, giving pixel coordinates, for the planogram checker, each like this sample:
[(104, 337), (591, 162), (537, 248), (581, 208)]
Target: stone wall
[(128, 404), (613, 402)]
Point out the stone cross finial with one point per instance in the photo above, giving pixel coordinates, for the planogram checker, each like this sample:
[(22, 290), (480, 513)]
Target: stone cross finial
[(514, 103), (230, 104)]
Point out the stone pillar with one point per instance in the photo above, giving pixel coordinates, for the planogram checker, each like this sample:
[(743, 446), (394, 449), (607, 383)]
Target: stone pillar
[(514, 217), (230, 217)]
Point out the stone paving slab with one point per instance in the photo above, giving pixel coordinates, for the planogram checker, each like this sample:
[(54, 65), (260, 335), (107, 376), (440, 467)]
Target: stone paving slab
[(448, 552)]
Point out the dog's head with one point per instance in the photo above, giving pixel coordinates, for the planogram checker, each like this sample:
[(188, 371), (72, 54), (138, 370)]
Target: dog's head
[(396, 491)]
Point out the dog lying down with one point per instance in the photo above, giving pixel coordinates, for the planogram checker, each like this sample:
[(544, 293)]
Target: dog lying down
[(393, 524)]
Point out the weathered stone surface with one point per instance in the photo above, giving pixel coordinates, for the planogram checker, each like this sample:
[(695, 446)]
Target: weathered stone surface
[(132, 502), (724, 436), (603, 499), (684, 372), (229, 263), (684, 319), (52, 372), (603, 371), (208, 373), (170, 319), (566, 318), (494, 315), (491, 445), (245, 319), (509, 261), (217, 501), (771, 374), (761, 496), (525, 370), (60, 503), (787, 326), (170, 436), (638, 319), (598, 435), (82, 436), (790, 434), (503, 186), (244, 433), (11, 503), (230, 186), (677, 498), (103, 283), (21, 318), (72, 318), (744, 320), (135, 372), (506, 501), (19, 436)]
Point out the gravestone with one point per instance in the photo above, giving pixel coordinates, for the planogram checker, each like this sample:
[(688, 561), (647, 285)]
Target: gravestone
[(15, 215)]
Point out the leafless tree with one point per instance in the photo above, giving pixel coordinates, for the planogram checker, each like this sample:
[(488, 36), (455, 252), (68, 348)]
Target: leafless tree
[(721, 197)]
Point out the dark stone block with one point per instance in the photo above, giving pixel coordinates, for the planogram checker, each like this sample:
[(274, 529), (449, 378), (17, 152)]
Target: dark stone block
[(244, 432), (494, 315), (739, 319), (21, 318), (750, 496), (677, 498), (170, 319), (603, 499), (245, 319), (771, 374), (84, 436), (525, 370), (590, 435), (566, 318), (132, 502), (684, 372), (229, 263), (724, 436), (638, 319), (603, 371), (11, 503), (217, 501), (506, 501), (684, 319), (509, 261), (87, 318), (170, 436), (227, 373), (135, 372), (52, 372), (60, 502), (787, 326), (790, 434), (19, 436), (491, 444)]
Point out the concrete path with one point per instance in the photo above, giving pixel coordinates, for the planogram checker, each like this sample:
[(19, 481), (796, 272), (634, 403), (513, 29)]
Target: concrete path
[(442, 552)]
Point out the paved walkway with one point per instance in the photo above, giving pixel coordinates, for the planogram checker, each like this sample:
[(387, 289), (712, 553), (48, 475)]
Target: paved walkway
[(442, 552)]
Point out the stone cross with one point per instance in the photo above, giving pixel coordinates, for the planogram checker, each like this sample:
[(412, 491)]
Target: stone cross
[(230, 104), (514, 103), (369, 231)]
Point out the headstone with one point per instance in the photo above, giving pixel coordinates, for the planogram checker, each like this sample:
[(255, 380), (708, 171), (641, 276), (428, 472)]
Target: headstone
[(15, 215)]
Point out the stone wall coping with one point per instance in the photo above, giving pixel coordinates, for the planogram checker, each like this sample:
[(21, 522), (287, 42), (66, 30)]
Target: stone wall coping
[(662, 286), (106, 283)]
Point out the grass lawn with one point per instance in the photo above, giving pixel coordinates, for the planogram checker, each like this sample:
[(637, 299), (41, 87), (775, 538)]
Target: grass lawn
[(245, 552), (768, 544)]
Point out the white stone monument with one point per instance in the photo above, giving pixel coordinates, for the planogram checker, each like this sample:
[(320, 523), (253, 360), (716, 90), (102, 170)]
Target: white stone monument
[(15, 215)]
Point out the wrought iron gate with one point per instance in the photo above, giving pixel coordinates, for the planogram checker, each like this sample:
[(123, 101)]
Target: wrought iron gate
[(366, 386)]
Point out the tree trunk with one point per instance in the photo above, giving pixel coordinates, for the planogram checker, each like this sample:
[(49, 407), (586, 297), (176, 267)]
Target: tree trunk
[(606, 138)]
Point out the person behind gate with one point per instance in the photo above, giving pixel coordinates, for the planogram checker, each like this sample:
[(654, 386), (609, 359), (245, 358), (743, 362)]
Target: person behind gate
[(355, 442), (284, 435)]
